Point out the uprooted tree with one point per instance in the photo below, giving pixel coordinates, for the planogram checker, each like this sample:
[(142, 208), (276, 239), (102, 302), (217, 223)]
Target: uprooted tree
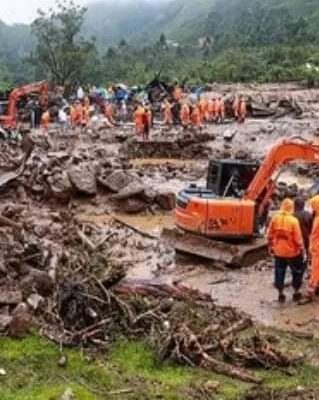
[(61, 52)]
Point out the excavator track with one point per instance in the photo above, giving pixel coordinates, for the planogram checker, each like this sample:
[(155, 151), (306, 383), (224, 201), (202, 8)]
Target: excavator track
[(222, 253)]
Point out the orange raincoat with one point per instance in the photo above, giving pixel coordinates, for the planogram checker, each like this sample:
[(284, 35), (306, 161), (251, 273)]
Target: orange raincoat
[(139, 119), (196, 117), (284, 232), (314, 248), (45, 120), (167, 113), (185, 115)]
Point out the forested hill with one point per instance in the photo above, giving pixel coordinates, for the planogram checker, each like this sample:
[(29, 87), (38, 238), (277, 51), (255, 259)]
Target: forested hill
[(280, 36), (230, 22)]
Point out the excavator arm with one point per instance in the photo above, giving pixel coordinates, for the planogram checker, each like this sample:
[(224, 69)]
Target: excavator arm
[(281, 154), (41, 88)]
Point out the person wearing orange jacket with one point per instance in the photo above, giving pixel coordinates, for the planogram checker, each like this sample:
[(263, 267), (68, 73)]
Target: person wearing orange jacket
[(167, 112), (242, 110), (45, 120), (139, 120), (148, 121), (185, 115), (211, 109), (203, 108), (286, 244), (196, 117), (73, 116), (236, 106), (221, 114), (314, 252), (85, 114)]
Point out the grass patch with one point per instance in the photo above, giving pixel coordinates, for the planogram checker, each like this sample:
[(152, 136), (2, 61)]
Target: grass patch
[(33, 373)]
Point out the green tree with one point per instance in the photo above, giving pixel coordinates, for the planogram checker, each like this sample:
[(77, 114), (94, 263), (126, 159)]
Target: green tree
[(61, 52), (5, 77)]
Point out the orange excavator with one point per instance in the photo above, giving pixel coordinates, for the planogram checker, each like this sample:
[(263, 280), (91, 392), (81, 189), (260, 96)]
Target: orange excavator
[(223, 222), (10, 119)]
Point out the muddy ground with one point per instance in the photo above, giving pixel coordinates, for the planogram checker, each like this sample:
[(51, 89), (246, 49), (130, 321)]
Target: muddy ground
[(121, 191)]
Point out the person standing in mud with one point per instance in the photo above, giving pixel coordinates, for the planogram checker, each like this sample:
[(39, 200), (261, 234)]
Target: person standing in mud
[(286, 245), (148, 121), (305, 219), (313, 285)]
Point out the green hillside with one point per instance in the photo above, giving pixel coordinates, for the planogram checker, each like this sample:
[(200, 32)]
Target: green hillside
[(245, 40)]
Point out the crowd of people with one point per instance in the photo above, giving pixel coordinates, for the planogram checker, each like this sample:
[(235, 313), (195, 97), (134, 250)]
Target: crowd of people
[(293, 237), (176, 109)]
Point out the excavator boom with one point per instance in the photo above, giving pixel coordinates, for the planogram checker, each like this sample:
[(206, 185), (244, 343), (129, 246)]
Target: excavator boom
[(221, 223), (11, 118)]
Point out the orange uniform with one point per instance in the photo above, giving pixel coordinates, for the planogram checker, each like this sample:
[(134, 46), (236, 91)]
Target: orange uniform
[(222, 109), (211, 110), (203, 107), (185, 115), (85, 114), (284, 232), (45, 119), (167, 113), (139, 119), (235, 107), (196, 117), (314, 248), (242, 111)]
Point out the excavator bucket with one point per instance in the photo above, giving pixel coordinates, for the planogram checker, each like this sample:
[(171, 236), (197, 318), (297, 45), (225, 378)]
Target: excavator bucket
[(222, 253)]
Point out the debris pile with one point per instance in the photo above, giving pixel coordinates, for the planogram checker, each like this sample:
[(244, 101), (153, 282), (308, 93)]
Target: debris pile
[(180, 324)]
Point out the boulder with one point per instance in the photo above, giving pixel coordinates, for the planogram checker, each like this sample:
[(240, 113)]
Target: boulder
[(132, 205), (21, 323), (60, 186), (10, 297), (166, 200), (116, 181), (5, 321), (131, 190), (83, 178)]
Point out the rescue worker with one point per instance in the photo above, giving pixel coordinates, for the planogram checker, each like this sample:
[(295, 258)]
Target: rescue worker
[(286, 244), (314, 253), (85, 114), (167, 112), (45, 120), (196, 117), (185, 116), (139, 120), (78, 113), (236, 107), (221, 114), (73, 116), (148, 121), (305, 219), (211, 109), (242, 110), (203, 108)]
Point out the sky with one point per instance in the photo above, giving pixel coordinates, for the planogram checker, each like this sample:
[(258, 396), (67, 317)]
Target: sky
[(12, 11)]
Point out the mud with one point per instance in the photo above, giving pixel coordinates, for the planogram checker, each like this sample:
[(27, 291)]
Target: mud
[(66, 187)]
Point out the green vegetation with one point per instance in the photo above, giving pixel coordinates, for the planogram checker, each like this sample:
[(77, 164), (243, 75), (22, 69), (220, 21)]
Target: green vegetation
[(33, 373), (240, 41)]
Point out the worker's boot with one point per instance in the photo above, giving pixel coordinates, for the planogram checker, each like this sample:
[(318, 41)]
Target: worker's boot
[(281, 298), (297, 296)]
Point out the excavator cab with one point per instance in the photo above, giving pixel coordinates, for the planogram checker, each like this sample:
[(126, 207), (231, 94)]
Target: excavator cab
[(230, 178)]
